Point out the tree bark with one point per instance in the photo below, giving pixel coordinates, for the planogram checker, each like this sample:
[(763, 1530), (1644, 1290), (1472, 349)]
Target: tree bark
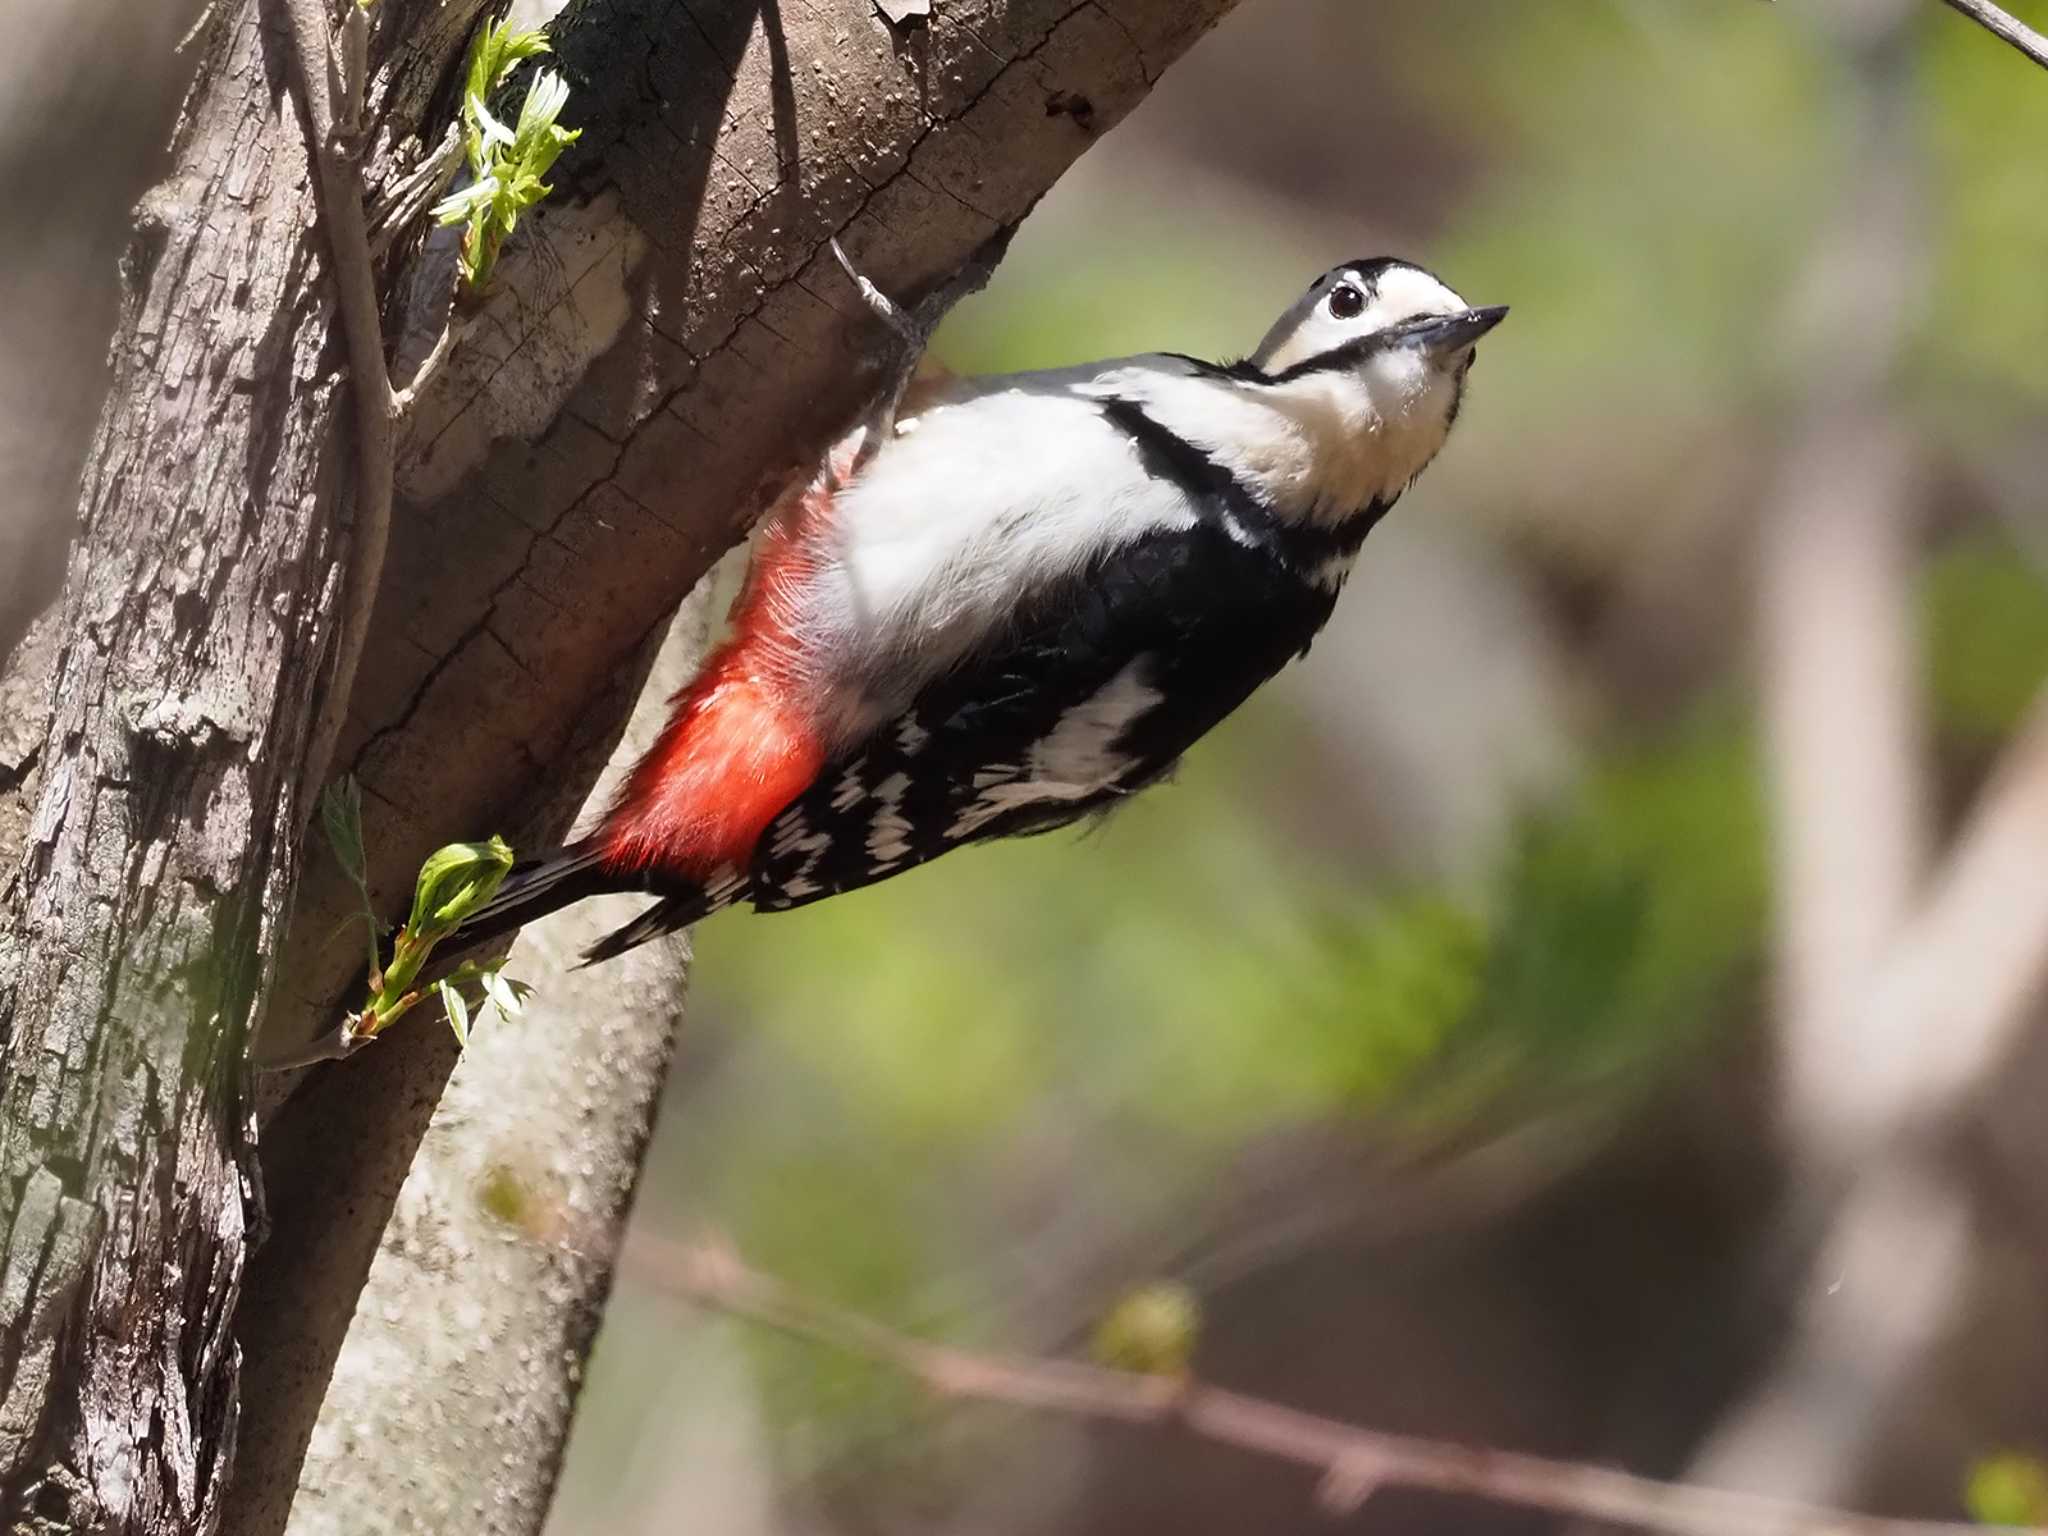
[(664, 346), (141, 924)]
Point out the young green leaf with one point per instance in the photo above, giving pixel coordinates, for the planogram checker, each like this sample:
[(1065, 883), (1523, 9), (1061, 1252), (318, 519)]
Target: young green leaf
[(457, 1011), (453, 883), (2008, 1489), (499, 48), (490, 130), (505, 164), (1152, 1330), (504, 995), (341, 813)]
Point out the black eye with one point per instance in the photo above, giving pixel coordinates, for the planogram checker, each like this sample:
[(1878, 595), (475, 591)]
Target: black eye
[(1346, 302)]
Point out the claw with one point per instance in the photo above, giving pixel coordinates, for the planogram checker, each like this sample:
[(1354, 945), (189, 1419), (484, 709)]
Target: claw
[(915, 336)]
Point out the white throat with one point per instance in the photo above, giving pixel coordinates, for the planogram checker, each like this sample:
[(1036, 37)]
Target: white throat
[(1320, 447)]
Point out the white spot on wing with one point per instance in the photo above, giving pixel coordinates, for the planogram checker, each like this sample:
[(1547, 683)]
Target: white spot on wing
[(849, 790), (889, 832), (1076, 759), (724, 883), (1080, 752), (790, 830)]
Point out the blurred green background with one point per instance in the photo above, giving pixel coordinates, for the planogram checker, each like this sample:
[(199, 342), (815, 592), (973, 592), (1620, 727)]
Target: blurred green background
[(1421, 1025)]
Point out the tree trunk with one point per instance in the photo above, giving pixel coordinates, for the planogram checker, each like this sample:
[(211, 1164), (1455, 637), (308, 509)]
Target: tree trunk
[(665, 345), (143, 920)]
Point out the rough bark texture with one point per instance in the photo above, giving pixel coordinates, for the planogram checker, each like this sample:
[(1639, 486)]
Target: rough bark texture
[(145, 912), (665, 352)]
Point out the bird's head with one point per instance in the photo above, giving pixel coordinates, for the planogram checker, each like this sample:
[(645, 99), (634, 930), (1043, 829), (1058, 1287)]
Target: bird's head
[(1385, 345), (1364, 308)]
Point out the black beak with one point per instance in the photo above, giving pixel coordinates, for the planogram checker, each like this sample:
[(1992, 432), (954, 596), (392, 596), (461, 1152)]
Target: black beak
[(1453, 333)]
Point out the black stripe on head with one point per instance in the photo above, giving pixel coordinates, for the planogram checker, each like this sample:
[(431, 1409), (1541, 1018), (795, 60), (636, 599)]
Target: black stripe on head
[(1351, 354), (1338, 359), (1344, 356)]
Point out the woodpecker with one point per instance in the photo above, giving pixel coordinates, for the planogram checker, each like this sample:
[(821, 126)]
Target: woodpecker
[(1019, 603)]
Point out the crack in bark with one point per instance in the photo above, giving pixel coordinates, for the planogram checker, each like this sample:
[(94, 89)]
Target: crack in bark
[(725, 347), (751, 313)]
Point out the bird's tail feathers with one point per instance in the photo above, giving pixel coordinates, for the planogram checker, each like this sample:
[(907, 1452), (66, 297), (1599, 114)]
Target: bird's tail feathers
[(536, 887), (668, 915)]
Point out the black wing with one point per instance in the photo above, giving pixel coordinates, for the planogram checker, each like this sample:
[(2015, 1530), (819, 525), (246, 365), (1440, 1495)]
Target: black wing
[(1117, 674)]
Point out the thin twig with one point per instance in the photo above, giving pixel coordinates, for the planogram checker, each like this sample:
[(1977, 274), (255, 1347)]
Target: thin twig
[(915, 334), (335, 159), (1352, 1461), (338, 1044), (2003, 25), (332, 71)]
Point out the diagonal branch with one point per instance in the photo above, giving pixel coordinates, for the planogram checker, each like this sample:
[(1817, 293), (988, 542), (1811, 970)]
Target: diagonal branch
[(2002, 24), (333, 108), (331, 83), (1353, 1462), (1903, 987)]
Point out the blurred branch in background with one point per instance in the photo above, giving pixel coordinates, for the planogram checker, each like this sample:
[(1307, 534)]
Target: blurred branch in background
[(1895, 1000), (2003, 24), (1846, 750), (1355, 1463)]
